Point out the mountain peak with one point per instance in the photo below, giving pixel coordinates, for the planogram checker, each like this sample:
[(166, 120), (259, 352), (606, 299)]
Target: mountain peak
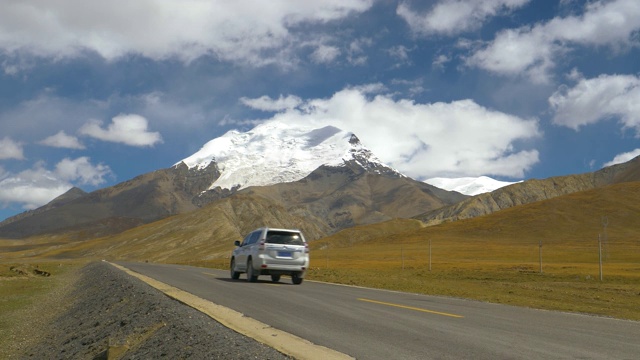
[(468, 185), (276, 152)]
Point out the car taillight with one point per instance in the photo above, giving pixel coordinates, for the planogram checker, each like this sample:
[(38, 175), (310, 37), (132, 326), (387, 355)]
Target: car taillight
[(261, 246), (306, 248)]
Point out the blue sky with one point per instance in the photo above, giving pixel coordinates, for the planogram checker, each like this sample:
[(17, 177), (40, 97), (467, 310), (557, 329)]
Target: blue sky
[(95, 93)]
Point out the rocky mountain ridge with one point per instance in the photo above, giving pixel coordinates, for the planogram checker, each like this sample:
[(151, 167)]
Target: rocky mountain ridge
[(532, 191)]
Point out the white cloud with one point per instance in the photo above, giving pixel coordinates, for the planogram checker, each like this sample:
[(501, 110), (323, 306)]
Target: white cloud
[(455, 16), (460, 138), (81, 171), (266, 103), (62, 140), (325, 54), (440, 61), (37, 186), (130, 129), (187, 29), (622, 158), (534, 50), (597, 99), (10, 149), (30, 194), (47, 114)]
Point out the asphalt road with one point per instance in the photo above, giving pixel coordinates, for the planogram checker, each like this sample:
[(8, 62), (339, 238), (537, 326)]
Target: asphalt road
[(375, 324)]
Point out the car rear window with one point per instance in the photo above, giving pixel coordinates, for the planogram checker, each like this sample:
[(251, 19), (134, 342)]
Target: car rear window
[(285, 238)]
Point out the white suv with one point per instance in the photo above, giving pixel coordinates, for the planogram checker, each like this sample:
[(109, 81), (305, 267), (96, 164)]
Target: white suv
[(274, 252)]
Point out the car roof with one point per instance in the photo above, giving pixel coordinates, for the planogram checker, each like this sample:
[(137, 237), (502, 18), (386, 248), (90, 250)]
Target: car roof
[(277, 229)]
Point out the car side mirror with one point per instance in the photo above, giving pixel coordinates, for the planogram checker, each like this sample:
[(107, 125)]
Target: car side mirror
[(236, 243)]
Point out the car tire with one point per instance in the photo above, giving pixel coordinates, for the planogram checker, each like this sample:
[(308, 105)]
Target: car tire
[(251, 276), (232, 270), (296, 279), (275, 278)]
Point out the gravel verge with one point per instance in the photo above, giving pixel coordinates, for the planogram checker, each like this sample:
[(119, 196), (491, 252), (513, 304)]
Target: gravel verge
[(111, 315)]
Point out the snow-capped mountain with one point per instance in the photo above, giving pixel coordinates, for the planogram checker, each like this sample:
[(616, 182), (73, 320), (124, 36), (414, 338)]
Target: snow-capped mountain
[(276, 152), (468, 185)]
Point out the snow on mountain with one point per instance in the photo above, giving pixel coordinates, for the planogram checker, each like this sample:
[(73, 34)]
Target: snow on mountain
[(468, 185), (276, 152)]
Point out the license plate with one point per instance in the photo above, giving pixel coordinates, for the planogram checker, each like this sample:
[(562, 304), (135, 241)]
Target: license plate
[(284, 253)]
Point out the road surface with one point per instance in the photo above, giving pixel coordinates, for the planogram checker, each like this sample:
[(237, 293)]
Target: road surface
[(377, 324)]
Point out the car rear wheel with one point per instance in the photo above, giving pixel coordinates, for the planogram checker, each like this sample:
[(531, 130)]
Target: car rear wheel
[(275, 278), (296, 279), (251, 275), (234, 274)]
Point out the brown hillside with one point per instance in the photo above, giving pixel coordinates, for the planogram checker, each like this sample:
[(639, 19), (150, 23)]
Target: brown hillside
[(344, 197), (198, 235), (146, 198), (61, 200), (574, 219), (533, 190)]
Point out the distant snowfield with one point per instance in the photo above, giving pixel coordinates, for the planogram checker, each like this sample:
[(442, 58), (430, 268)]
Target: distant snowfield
[(274, 153), (468, 185)]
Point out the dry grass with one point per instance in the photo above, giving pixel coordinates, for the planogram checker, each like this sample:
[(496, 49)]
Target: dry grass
[(475, 271), (497, 258), (22, 316)]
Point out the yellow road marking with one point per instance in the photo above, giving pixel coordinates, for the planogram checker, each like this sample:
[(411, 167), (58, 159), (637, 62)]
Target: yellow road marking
[(411, 308)]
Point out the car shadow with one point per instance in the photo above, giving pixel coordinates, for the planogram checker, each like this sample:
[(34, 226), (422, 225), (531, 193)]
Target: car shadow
[(257, 282)]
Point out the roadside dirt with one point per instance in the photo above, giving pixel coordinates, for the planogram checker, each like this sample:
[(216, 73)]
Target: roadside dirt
[(103, 313)]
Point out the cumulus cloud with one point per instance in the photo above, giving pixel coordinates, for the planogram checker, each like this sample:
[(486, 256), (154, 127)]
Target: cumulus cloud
[(62, 140), (455, 16), (47, 113), (597, 99), (10, 149), (37, 186), (454, 139), (130, 129), (533, 50), (81, 171), (31, 193), (622, 158), (187, 29)]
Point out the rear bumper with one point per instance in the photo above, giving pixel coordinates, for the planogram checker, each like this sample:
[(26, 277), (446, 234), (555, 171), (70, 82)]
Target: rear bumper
[(280, 269)]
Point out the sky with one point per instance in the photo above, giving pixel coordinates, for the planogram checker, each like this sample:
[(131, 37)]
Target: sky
[(93, 93)]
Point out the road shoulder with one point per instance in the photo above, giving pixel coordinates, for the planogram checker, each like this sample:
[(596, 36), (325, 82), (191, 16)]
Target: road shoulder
[(282, 341)]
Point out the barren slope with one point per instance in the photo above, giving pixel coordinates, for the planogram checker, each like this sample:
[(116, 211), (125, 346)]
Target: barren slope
[(533, 190)]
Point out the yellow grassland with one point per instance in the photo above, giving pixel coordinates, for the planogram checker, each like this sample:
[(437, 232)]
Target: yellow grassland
[(542, 255)]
